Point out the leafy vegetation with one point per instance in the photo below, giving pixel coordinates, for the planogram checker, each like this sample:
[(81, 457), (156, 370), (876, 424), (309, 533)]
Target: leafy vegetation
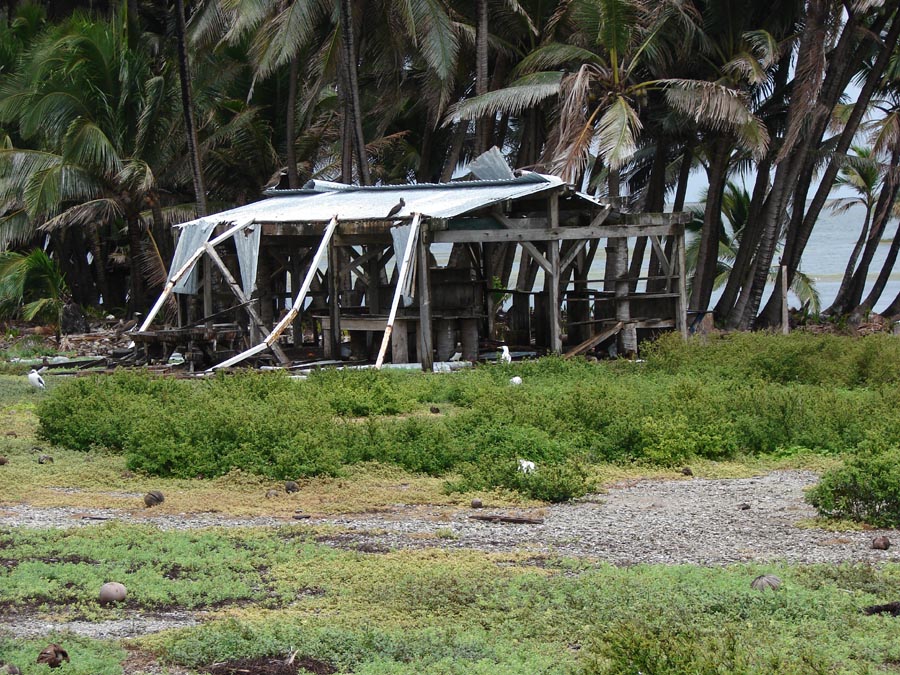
[(746, 394)]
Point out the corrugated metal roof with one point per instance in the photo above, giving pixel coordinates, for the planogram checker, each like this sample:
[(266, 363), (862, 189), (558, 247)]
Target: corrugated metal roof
[(442, 200)]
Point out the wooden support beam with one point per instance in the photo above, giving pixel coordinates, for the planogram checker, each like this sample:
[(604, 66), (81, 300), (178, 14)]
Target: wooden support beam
[(295, 308), (572, 254), (661, 255), (401, 280), (426, 350), (547, 234), (681, 303), (334, 302), (593, 341), (248, 304), (553, 277), (527, 245), (185, 269)]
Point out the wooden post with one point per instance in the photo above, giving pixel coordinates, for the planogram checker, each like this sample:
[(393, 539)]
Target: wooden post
[(400, 341), (401, 280), (785, 319), (207, 293), (295, 308), (426, 351), (468, 329), (681, 264), (554, 304), (296, 277), (334, 304)]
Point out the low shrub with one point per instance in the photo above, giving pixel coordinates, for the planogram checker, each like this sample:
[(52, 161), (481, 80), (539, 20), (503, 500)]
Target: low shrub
[(754, 394), (865, 489)]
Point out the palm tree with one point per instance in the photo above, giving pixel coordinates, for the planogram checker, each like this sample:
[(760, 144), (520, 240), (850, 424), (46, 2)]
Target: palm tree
[(862, 174), (94, 109), (734, 218), (31, 286)]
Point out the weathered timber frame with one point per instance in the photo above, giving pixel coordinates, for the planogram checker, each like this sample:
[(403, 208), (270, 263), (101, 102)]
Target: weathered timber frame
[(348, 279)]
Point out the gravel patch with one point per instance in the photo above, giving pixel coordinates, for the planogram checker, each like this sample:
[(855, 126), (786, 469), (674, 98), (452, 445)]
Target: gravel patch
[(23, 626), (692, 521)]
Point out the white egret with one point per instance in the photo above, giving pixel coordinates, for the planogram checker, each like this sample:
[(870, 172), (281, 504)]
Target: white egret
[(504, 354), (36, 380)]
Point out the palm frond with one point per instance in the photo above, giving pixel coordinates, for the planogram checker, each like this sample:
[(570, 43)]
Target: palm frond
[(84, 214), (617, 132), (438, 42), (520, 95), (86, 144), (556, 55)]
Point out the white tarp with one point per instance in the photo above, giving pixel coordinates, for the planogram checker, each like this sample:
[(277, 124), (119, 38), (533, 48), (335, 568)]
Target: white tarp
[(246, 241), (190, 240), (400, 235)]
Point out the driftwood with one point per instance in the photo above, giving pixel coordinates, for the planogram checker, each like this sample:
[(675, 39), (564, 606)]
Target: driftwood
[(497, 518), (593, 341)]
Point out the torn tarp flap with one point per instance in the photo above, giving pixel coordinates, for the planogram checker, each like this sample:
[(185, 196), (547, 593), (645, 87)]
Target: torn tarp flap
[(246, 241), (400, 235), (192, 238)]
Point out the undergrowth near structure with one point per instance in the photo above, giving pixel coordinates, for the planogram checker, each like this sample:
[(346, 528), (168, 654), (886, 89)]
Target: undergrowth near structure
[(742, 394)]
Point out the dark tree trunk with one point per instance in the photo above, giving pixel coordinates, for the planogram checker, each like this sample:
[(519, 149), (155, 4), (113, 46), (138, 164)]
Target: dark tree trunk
[(481, 72), (290, 124), (456, 145), (797, 238), (883, 211), (350, 64), (654, 202), (187, 105), (708, 256), (749, 241), (843, 301), (135, 242)]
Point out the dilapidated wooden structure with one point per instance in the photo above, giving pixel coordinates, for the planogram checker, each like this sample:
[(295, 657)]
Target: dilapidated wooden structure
[(426, 269)]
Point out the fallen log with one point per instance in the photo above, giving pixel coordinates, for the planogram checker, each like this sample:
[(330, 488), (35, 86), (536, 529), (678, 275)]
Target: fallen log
[(519, 520)]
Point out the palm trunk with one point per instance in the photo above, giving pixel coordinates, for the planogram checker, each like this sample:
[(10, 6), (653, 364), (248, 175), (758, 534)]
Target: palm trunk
[(290, 124), (708, 256), (481, 72), (654, 202), (797, 239), (187, 105), (749, 242), (842, 300), (450, 163), (888, 196), (350, 64), (135, 242)]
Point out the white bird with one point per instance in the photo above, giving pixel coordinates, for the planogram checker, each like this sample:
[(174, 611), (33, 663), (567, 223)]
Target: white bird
[(456, 356), (35, 379), (515, 380), (525, 466), (504, 355)]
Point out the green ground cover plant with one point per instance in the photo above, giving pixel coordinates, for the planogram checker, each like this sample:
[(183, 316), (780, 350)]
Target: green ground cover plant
[(717, 399), (407, 612)]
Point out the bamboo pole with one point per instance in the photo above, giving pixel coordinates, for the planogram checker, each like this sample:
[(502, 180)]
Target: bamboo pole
[(295, 307), (401, 281), (184, 269)]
